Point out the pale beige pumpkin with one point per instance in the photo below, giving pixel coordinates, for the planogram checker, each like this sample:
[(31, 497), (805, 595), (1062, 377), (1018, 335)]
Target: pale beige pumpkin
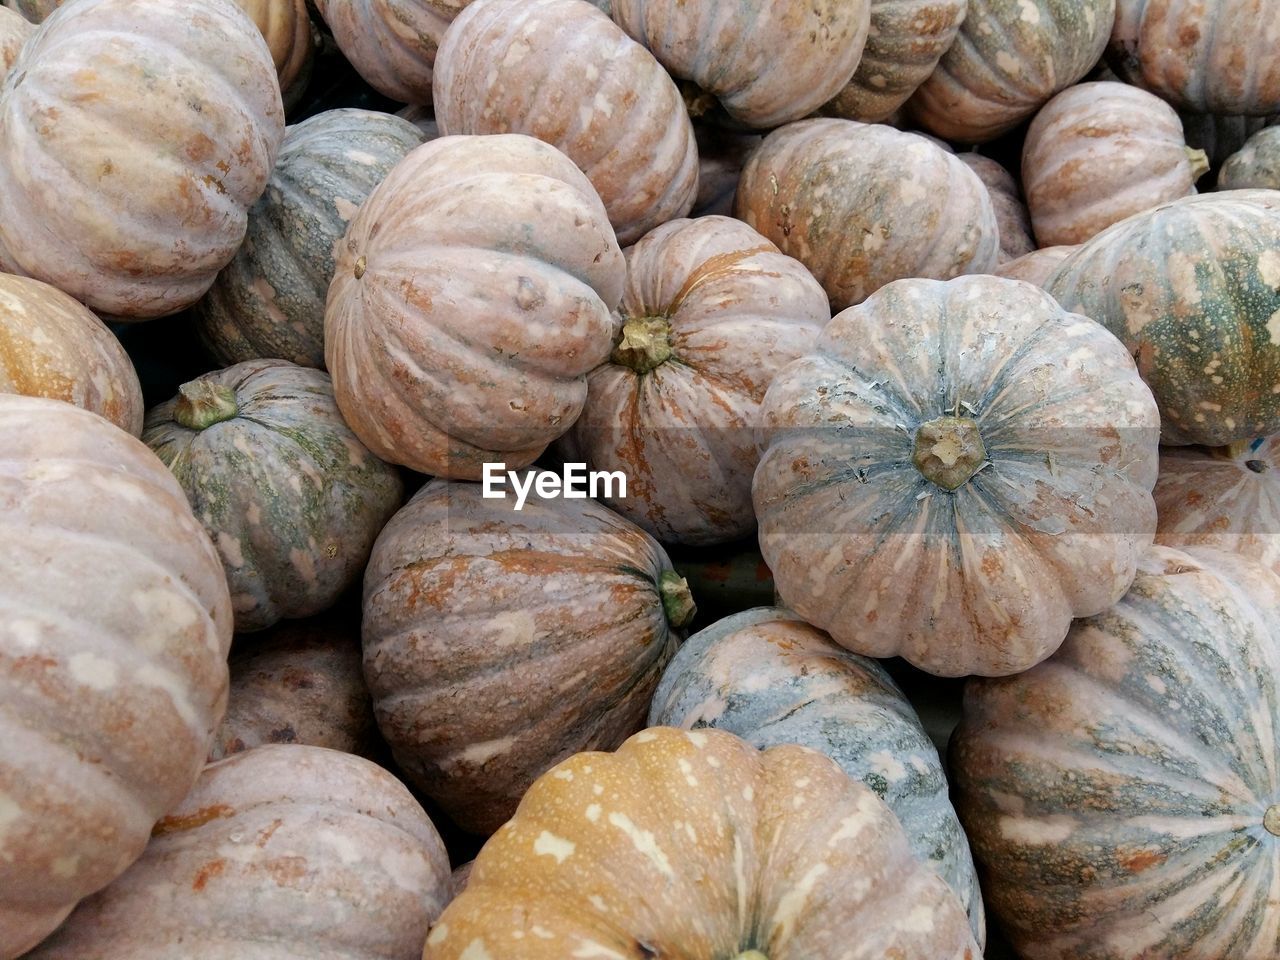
[(1256, 165), (14, 31), (286, 26), (1006, 199), (1037, 266)]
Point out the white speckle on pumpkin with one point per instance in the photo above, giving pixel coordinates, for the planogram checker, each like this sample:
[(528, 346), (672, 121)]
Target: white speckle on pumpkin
[(303, 563), (346, 209), (645, 736), (597, 789), (1182, 278), (1043, 830), (687, 769), (347, 849), (514, 628), (541, 932), (563, 774), (229, 547), (643, 841), (1273, 327), (1269, 268), (699, 740), (1156, 684), (1029, 12), (549, 845), (793, 901), (591, 949), (748, 793), (65, 867), (597, 901), (919, 920), (476, 950), (888, 766), (10, 813), (477, 754), (593, 812), (1008, 63), (439, 933), (254, 514), (26, 633), (93, 671), (152, 675), (909, 191)]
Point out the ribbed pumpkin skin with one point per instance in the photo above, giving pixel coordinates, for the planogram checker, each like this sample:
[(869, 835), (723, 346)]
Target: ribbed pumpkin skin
[(863, 205), (1006, 199), (767, 676), (14, 31), (1256, 165), (136, 227), (52, 346), (269, 300), (683, 433), (739, 854), (471, 300), (286, 26), (278, 852), (1220, 137), (108, 698), (562, 71), (1010, 57), (1037, 266), (1116, 794), (290, 497), (984, 578), (767, 62), (1192, 288), (548, 623)]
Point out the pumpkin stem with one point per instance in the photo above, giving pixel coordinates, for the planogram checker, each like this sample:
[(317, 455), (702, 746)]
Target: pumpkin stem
[(677, 601), (948, 451), (202, 403), (645, 344), (696, 100), (1199, 161)]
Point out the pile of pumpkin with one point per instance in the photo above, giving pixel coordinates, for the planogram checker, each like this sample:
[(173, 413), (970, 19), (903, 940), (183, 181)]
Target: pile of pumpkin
[(615, 235)]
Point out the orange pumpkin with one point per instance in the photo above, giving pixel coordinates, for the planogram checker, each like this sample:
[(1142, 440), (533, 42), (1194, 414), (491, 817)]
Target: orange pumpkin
[(286, 26)]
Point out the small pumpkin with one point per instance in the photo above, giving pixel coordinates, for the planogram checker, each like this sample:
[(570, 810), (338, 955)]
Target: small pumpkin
[(1256, 165), (14, 31), (1006, 199), (286, 26), (1037, 266)]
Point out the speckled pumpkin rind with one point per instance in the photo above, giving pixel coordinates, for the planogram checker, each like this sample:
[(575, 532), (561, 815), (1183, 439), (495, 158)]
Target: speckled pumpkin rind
[(1009, 58), (286, 26), (547, 623), (767, 676), (283, 851), (683, 433), (53, 346), (1116, 795), (136, 227), (471, 300), (269, 300), (984, 578), (562, 71), (1193, 289), (14, 31), (287, 492), (1006, 199), (1256, 165), (1037, 266), (862, 205), (113, 649), (740, 854)]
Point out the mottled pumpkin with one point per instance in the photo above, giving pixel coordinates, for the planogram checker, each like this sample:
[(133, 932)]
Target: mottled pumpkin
[(286, 491), (711, 312), (277, 852), (134, 137), (14, 31), (1218, 136), (286, 26), (53, 346), (113, 649), (721, 156), (739, 853), (1006, 199), (551, 623), (1193, 289), (1123, 797), (767, 676), (471, 300), (1037, 266), (956, 472), (862, 205), (269, 300), (562, 71), (1256, 165)]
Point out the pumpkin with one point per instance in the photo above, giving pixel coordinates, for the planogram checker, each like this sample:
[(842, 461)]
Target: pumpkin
[(471, 300), (277, 852), (1206, 57), (33, 10), (269, 300), (763, 64), (721, 155), (1010, 57), (1122, 796), (109, 696), (1193, 289), (551, 623), (1006, 199), (711, 312), (525, 66), (120, 182), (767, 676), (14, 31), (1255, 165), (863, 205), (1037, 266), (286, 26), (739, 853), (1220, 137), (52, 346), (954, 473), (1100, 152)]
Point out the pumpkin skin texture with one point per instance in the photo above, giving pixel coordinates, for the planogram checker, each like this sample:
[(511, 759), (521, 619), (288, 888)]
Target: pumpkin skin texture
[(282, 851), (1037, 266), (290, 497), (1256, 165), (711, 312), (473, 252), (1121, 797), (1192, 288), (52, 346), (740, 854), (269, 300), (954, 473), (522, 66), (1100, 152), (863, 205), (14, 31), (286, 26), (1006, 199), (767, 676), (139, 227), (108, 699), (465, 597), (1010, 57)]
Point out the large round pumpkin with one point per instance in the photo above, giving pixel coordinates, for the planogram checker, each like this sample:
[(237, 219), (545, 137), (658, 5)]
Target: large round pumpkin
[(134, 137), (1006, 199), (1256, 165), (562, 71), (113, 649), (278, 852), (1193, 289), (551, 624), (711, 312), (1123, 796), (286, 26), (14, 31), (471, 300), (956, 472), (269, 300)]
